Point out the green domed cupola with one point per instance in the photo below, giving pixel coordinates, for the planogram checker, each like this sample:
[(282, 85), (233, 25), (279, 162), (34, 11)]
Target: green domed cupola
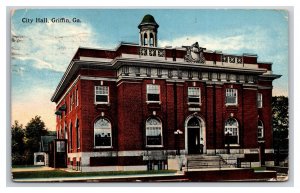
[(148, 31)]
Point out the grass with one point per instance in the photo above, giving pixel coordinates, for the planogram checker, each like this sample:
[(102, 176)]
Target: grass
[(61, 173)]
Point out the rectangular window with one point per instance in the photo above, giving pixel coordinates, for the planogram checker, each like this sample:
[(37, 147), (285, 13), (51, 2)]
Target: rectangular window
[(60, 146), (194, 95), (76, 95), (231, 135), (71, 101), (259, 100), (153, 93), (71, 136), (77, 134), (103, 137), (231, 96), (153, 135), (101, 94)]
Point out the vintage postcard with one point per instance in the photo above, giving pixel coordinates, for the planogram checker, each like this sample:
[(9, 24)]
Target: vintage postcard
[(149, 95)]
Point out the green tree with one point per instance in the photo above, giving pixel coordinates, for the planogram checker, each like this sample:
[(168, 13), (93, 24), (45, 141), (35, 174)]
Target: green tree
[(280, 115), (17, 143), (33, 132)]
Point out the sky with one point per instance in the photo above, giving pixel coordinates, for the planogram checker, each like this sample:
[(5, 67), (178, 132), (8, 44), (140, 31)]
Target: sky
[(41, 52)]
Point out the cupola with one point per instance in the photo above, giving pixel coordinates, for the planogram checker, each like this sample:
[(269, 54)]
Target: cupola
[(148, 31)]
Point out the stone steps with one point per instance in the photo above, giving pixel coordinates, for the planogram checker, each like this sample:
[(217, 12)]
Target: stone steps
[(205, 161)]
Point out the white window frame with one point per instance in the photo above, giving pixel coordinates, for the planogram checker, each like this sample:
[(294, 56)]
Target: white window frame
[(71, 135), (232, 129), (148, 127), (77, 98), (108, 128), (260, 130), (230, 92), (71, 98), (198, 95), (259, 100), (77, 126), (150, 90), (105, 94)]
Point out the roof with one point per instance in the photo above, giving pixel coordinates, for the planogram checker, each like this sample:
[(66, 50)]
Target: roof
[(44, 142), (148, 20)]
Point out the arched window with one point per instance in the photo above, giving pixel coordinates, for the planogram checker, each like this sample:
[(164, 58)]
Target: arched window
[(71, 136), (151, 43), (145, 39), (66, 131), (231, 131), (260, 130), (77, 134), (102, 133), (153, 132)]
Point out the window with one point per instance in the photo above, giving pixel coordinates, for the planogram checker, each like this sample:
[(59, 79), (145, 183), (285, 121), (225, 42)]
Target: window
[(77, 134), (76, 97), (194, 95), (151, 40), (66, 131), (71, 101), (260, 130), (71, 136), (153, 93), (259, 100), (60, 146), (102, 133), (153, 132), (231, 96), (101, 94), (145, 39), (231, 131)]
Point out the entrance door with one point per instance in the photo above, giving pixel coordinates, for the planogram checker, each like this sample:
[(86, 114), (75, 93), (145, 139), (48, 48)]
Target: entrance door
[(195, 145)]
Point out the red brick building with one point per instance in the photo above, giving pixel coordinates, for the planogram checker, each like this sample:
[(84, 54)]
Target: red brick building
[(134, 107)]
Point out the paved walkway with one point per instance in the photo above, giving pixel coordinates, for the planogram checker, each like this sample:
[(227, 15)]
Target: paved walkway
[(112, 178), (31, 169)]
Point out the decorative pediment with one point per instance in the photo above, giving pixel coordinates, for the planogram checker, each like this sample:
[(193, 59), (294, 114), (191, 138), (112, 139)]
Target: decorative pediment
[(194, 54)]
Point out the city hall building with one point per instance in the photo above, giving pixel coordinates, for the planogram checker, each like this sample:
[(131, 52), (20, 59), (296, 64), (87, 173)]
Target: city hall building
[(140, 107)]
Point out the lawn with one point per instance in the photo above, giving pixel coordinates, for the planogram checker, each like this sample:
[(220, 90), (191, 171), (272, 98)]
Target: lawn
[(61, 173)]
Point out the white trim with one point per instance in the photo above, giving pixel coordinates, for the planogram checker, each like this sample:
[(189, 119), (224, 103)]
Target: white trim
[(97, 78), (161, 131), (94, 59), (234, 91), (262, 130), (159, 93), (95, 95), (199, 95), (68, 90), (202, 131), (269, 150), (102, 147), (237, 132)]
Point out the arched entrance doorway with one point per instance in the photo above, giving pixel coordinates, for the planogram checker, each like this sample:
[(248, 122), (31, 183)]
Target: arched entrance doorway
[(195, 136)]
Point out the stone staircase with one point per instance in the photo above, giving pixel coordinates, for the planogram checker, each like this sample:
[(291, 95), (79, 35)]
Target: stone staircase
[(196, 162)]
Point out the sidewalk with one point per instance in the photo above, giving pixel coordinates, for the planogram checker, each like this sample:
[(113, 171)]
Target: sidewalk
[(32, 169), (110, 178)]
